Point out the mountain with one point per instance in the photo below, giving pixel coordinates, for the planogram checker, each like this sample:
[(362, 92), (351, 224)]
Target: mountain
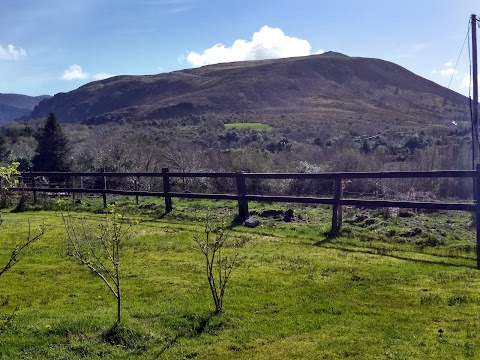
[(13, 106), (330, 87)]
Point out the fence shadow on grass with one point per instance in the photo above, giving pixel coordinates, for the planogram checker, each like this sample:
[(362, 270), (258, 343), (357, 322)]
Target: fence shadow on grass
[(328, 244)]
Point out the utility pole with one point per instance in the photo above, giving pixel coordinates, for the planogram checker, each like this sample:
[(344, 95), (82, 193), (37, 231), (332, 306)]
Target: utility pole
[(476, 149)]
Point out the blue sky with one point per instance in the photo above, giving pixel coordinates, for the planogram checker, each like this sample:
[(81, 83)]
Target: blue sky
[(53, 46)]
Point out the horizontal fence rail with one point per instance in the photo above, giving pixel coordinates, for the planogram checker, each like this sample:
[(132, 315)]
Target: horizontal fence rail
[(366, 175), (242, 197), (333, 175)]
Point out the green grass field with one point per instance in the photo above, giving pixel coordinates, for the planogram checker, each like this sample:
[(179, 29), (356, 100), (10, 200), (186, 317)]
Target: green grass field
[(376, 292), (249, 125)]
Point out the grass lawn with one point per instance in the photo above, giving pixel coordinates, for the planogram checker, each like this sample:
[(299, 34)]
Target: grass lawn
[(249, 125), (376, 292)]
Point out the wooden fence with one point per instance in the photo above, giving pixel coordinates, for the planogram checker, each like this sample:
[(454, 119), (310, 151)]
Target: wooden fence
[(242, 197)]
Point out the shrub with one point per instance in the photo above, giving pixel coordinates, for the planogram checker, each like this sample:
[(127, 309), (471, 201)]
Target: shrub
[(218, 268)]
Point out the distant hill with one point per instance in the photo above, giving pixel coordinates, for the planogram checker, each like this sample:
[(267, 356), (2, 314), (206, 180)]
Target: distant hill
[(13, 106), (330, 87)]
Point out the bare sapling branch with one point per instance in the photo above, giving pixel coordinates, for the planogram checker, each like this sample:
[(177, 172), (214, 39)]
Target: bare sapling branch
[(19, 249), (6, 321), (218, 268), (98, 248)]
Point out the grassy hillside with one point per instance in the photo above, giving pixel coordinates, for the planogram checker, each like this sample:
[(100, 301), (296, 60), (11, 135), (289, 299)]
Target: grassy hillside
[(293, 294)]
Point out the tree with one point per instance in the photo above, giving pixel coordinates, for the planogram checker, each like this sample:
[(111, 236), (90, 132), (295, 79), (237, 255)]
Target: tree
[(218, 268), (8, 179), (4, 149), (98, 248), (365, 148), (53, 150)]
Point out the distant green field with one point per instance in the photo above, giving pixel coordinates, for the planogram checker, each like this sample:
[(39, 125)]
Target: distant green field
[(251, 126), (293, 294)]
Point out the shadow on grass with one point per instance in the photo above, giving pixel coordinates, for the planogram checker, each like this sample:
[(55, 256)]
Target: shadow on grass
[(189, 326), (328, 243), (160, 215), (127, 338), (237, 221)]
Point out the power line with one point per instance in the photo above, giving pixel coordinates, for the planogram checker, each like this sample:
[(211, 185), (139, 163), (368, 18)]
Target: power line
[(458, 59)]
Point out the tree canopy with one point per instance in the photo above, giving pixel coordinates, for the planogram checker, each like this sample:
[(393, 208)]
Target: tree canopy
[(53, 150), (4, 150)]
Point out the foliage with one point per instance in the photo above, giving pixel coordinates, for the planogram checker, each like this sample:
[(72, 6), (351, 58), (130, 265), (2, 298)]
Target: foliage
[(53, 151), (8, 179), (203, 143), (99, 250), (4, 150), (309, 186), (218, 268), (8, 175)]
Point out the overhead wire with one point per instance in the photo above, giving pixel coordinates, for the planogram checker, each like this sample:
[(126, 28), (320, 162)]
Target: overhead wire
[(458, 59), (474, 129)]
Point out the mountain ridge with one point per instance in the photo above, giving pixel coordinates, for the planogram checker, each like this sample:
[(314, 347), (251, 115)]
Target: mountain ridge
[(330, 86), (13, 106)]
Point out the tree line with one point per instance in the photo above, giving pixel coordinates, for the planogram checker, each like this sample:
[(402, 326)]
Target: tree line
[(205, 144)]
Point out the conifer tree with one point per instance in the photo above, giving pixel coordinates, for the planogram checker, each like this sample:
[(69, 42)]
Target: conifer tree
[(53, 150), (4, 151)]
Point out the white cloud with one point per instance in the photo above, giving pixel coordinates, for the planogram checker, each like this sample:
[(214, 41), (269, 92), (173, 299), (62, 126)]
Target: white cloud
[(74, 72), (447, 72), (467, 82), (11, 53), (102, 76), (267, 43), (319, 51)]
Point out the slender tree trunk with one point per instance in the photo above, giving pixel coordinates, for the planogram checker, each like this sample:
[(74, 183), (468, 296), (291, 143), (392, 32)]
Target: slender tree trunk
[(119, 302), (117, 275)]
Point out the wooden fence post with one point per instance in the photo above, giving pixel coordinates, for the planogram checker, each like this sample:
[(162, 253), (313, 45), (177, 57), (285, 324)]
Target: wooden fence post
[(73, 187), (104, 192), (337, 208), (33, 189), (477, 213), (136, 189), (166, 190), (81, 186), (241, 193)]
